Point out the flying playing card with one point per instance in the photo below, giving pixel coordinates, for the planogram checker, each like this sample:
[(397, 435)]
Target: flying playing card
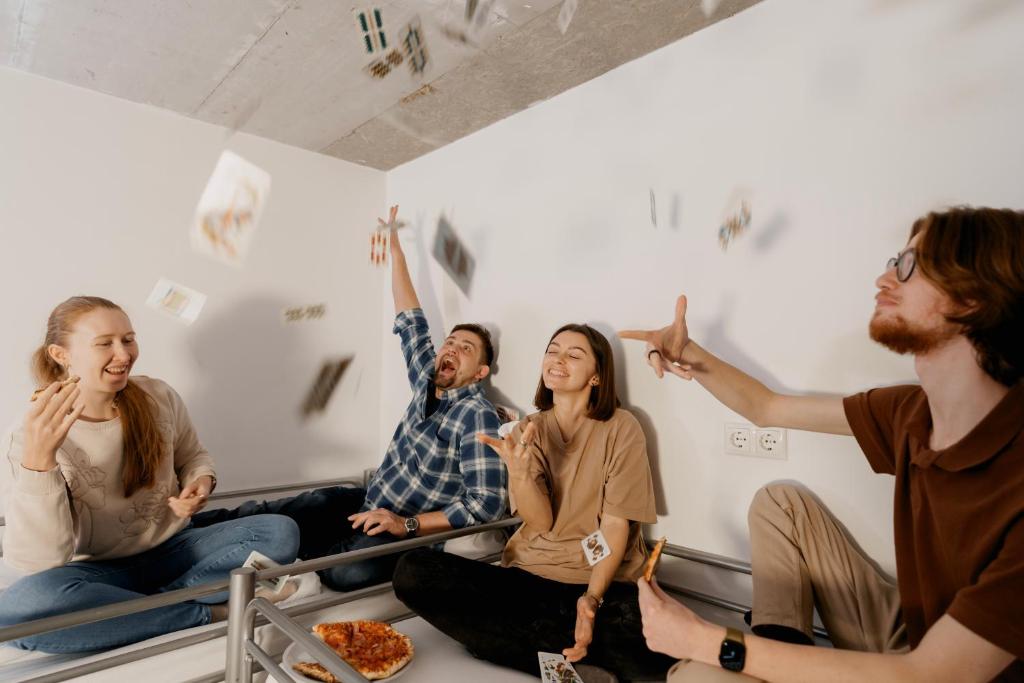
[(230, 209), (734, 225), (258, 561), (452, 255), (323, 387), (654, 210), (554, 669), (415, 49), (380, 247), (595, 547), (177, 301), (565, 15), (370, 25), (296, 313)]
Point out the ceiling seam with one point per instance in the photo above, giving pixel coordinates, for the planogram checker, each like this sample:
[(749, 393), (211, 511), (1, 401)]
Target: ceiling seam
[(241, 59)]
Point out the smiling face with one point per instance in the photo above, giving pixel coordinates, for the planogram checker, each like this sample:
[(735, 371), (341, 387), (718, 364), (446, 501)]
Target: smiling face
[(910, 317), (460, 361), (569, 363), (101, 349)]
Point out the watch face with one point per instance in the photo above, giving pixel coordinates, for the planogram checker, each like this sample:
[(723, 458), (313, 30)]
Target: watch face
[(733, 655)]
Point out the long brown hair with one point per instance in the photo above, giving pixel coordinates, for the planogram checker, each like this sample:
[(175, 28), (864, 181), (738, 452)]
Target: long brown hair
[(976, 256), (603, 399), (142, 444)]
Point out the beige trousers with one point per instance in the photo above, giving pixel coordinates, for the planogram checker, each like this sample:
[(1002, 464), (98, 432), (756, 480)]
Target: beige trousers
[(802, 558)]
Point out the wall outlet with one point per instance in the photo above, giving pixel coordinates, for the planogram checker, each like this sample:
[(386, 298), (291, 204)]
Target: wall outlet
[(739, 439), (770, 443)]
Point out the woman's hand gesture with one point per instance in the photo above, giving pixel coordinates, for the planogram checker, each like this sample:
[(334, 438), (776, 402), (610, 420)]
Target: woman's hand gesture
[(515, 454), (47, 423)]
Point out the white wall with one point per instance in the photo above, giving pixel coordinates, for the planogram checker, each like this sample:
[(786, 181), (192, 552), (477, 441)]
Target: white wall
[(845, 119), (96, 196)]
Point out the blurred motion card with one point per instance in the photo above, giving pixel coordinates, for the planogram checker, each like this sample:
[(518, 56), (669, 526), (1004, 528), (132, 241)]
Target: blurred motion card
[(415, 48), (380, 247), (734, 225), (296, 314), (176, 300), (452, 255), (654, 210), (370, 24), (565, 15), (709, 6), (324, 386), (229, 209)]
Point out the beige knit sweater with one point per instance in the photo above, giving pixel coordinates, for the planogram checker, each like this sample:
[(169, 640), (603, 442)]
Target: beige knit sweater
[(78, 510)]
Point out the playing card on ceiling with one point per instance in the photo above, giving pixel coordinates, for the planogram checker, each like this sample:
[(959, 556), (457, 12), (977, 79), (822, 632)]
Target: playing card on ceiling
[(230, 209), (324, 386), (452, 255), (177, 301), (554, 669), (565, 15), (595, 547)]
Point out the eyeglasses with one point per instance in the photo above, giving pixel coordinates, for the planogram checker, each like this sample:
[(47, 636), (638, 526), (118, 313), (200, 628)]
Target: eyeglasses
[(904, 265)]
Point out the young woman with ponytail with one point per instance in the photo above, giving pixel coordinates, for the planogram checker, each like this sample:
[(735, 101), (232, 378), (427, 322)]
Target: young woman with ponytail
[(101, 481)]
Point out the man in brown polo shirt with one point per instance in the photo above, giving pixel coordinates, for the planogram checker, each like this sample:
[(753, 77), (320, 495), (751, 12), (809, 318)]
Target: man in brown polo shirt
[(954, 298)]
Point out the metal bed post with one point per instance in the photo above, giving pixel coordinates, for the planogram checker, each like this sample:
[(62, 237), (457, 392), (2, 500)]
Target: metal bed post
[(242, 589)]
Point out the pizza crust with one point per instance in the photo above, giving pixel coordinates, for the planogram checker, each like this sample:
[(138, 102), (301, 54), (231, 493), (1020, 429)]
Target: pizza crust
[(652, 561)]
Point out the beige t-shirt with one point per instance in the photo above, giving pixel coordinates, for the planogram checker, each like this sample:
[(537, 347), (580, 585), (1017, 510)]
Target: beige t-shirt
[(78, 510), (603, 470)]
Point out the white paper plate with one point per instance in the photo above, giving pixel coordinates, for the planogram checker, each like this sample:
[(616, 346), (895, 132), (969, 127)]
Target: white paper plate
[(295, 653)]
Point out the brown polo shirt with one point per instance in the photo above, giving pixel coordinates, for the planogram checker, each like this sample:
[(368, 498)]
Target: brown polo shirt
[(959, 514)]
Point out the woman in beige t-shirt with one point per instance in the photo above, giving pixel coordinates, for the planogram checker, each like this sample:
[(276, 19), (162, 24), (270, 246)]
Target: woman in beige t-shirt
[(99, 486), (580, 479)]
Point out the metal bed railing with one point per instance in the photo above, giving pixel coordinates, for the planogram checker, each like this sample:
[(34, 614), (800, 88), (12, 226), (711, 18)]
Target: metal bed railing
[(243, 656)]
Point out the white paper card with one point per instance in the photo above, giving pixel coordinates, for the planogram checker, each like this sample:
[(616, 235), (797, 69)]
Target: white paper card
[(565, 15), (554, 669), (258, 561), (229, 209), (595, 547), (177, 301)]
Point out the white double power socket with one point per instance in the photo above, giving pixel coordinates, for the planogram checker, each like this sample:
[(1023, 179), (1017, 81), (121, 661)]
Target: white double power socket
[(744, 439)]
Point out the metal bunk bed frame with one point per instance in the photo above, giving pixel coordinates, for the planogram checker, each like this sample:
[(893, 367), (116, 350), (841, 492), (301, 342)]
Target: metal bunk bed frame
[(243, 655)]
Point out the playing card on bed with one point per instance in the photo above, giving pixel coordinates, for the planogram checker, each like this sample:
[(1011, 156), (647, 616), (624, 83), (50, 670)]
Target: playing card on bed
[(595, 547), (177, 301), (229, 209), (554, 669), (452, 255), (258, 561)]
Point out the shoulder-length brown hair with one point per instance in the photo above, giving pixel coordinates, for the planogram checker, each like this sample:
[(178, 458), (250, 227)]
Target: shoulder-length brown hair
[(603, 399), (142, 444), (976, 256)]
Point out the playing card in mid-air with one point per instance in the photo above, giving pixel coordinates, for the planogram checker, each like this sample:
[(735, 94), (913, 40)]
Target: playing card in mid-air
[(734, 225), (554, 669), (294, 314), (177, 301), (595, 547), (230, 209), (324, 386), (565, 15), (452, 255)]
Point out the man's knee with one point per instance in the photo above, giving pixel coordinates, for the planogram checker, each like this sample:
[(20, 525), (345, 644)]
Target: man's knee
[(774, 496)]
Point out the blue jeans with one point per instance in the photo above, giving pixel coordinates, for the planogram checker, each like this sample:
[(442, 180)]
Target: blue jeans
[(322, 516), (191, 557)]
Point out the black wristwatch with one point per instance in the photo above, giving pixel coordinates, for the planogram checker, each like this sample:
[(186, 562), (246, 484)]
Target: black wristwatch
[(412, 525), (733, 654)]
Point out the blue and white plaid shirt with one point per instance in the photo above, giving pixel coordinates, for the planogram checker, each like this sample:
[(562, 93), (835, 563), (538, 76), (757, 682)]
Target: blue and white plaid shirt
[(436, 463)]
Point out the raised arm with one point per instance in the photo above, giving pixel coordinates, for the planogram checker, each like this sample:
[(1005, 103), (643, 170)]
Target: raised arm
[(401, 284), (671, 349)]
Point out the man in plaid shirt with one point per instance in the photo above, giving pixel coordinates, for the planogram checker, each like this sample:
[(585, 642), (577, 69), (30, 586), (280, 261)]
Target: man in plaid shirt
[(435, 475)]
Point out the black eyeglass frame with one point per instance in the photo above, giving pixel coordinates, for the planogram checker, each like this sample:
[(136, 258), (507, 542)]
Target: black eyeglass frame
[(900, 264)]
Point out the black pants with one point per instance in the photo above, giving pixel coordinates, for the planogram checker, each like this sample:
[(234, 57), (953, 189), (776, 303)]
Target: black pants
[(322, 516), (507, 615)]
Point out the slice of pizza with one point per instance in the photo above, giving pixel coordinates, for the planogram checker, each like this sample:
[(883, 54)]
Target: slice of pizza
[(372, 648), (652, 561), (315, 671)]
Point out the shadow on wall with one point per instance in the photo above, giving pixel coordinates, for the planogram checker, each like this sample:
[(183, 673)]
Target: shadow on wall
[(255, 374), (646, 423)]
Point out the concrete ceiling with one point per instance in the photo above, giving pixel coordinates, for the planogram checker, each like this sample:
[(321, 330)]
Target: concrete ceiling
[(296, 70)]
